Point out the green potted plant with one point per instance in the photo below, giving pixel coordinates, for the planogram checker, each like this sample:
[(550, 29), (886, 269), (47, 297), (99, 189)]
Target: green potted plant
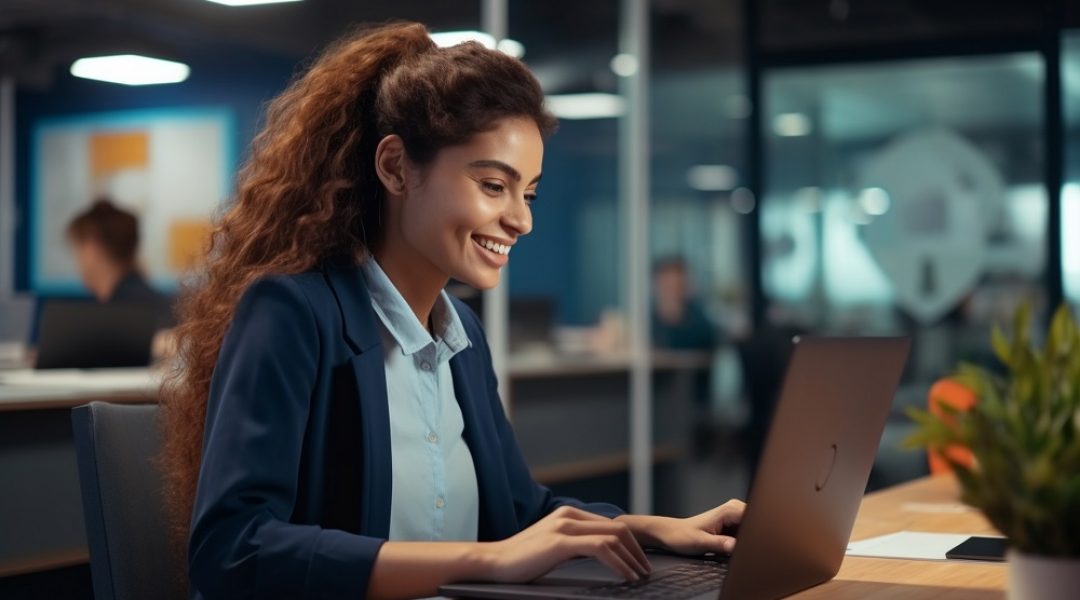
[(1024, 435)]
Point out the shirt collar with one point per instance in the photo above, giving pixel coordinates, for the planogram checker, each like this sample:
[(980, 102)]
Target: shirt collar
[(402, 323)]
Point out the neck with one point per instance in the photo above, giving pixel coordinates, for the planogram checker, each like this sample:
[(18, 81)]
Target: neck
[(418, 281), (108, 282)]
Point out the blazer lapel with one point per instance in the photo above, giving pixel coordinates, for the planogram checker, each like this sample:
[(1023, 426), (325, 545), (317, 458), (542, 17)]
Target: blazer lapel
[(369, 371), (377, 480), (497, 519)]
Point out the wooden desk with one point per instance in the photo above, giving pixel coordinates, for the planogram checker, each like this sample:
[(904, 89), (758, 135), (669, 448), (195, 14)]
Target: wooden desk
[(928, 504)]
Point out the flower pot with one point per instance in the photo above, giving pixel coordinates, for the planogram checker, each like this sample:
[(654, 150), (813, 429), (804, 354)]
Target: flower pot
[(1035, 577)]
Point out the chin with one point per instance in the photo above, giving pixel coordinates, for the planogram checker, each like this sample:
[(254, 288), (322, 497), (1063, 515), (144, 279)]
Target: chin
[(482, 282)]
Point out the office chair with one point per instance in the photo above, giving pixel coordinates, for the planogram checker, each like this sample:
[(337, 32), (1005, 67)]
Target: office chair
[(130, 558)]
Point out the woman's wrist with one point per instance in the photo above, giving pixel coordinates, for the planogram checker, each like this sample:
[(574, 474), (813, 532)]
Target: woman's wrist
[(644, 528), (479, 561)]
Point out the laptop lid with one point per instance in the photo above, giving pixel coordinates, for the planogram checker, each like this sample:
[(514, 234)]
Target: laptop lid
[(79, 334), (824, 435)]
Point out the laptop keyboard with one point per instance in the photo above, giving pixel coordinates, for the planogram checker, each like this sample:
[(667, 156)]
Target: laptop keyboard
[(680, 581)]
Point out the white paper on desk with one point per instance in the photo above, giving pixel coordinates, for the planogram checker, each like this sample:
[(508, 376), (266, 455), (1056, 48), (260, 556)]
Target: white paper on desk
[(917, 545)]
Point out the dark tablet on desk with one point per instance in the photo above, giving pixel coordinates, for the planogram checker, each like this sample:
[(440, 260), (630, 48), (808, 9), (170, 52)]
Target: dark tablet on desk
[(979, 548), (81, 334)]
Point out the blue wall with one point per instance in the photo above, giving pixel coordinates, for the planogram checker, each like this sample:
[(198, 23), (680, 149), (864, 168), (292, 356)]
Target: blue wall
[(237, 80), (579, 170)]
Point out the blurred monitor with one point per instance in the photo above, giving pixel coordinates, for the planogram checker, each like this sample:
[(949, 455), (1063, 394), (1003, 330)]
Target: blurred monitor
[(16, 314), (80, 334), (532, 319)]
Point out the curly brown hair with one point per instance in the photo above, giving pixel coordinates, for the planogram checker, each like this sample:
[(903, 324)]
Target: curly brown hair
[(308, 191)]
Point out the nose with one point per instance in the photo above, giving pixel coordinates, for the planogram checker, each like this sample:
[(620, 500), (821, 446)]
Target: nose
[(518, 217)]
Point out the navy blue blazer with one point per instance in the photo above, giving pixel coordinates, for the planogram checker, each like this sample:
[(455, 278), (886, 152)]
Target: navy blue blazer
[(293, 497)]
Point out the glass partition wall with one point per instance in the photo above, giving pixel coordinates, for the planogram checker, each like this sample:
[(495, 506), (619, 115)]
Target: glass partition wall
[(851, 178), (700, 208), (572, 374)]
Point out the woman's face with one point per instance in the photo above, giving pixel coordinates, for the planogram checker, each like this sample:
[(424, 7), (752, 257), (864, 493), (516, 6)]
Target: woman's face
[(464, 212)]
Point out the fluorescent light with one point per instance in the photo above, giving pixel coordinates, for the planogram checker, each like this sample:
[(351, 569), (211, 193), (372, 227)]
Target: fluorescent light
[(512, 47), (130, 69), (711, 178), (445, 39), (874, 201), (249, 2), (586, 106), (624, 65), (792, 125)]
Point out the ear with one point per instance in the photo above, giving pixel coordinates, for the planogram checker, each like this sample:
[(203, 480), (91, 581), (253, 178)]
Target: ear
[(390, 164)]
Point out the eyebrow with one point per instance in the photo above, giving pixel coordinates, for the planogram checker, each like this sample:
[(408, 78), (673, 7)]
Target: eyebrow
[(505, 168)]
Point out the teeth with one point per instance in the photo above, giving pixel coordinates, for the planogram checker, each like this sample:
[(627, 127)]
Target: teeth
[(495, 247)]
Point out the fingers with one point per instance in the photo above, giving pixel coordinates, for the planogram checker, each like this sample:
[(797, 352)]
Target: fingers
[(608, 549), (732, 512), (723, 544), (726, 516), (633, 551)]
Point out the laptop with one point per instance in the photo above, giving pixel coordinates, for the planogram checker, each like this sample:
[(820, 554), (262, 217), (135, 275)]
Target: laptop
[(80, 334), (822, 441)]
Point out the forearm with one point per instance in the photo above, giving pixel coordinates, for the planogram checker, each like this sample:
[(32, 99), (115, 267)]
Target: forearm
[(417, 569)]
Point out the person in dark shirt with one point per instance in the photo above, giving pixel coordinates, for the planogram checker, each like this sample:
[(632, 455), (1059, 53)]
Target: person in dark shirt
[(105, 241), (679, 321)]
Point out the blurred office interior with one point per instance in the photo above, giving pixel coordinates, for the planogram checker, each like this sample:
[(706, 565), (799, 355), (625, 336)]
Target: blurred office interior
[(727, 174)]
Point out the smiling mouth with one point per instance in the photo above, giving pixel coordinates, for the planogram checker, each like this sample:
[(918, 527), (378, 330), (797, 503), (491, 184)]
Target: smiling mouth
[(492, 246)]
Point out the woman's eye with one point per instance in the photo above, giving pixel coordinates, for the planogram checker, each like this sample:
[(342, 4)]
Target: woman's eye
[(530, 198), (493, 187)]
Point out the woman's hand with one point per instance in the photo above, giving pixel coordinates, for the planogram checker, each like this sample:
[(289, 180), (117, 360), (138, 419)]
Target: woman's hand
[(710, 531), (564, 534)]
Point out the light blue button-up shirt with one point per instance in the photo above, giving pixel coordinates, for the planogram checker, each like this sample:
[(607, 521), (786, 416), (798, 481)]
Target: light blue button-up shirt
[(434, 495)]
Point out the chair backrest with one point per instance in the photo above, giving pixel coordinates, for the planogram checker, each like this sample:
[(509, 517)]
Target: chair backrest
[(116, 446)]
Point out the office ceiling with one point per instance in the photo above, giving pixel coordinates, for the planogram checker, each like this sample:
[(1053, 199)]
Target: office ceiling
[(39, 36), (696, 48)]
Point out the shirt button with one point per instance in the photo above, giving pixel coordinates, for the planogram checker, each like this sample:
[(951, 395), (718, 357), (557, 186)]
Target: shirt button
[(439, 502), (431, 437), (425, 365)]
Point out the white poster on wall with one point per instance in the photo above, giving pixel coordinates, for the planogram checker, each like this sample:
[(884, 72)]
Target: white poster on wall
[(172, 168)]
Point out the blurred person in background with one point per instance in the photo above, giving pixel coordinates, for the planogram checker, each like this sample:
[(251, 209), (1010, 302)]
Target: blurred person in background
[(679, 320), (104, 240)]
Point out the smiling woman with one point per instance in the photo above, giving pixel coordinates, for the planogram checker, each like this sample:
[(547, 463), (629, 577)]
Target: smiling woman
[(334, 429)]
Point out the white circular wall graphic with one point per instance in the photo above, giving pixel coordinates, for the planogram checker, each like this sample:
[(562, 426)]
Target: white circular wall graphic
[(931, 242)]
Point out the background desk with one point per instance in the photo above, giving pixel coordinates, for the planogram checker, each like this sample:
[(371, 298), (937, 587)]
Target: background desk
[(928, 504), (41, 516), (571, 417)]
